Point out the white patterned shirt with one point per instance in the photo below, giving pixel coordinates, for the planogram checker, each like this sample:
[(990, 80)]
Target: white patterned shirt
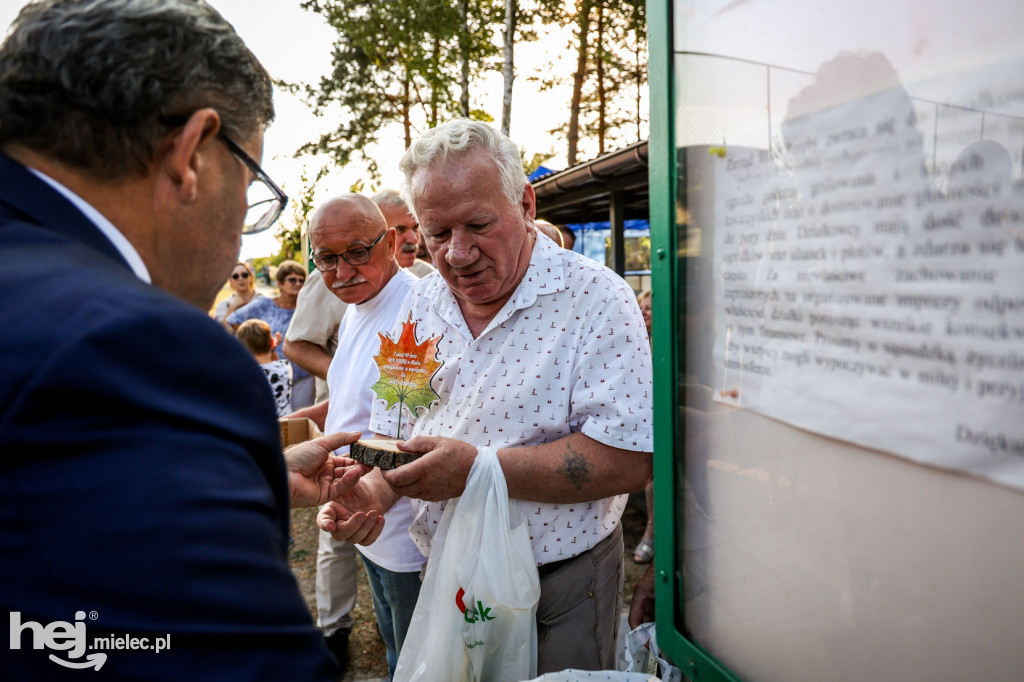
[(568, 352)]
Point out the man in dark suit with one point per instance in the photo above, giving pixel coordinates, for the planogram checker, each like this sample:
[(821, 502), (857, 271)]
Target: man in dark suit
[(143, 494)]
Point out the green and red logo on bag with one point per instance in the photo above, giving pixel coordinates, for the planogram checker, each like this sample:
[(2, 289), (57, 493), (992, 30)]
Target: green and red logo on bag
[(480, 613)]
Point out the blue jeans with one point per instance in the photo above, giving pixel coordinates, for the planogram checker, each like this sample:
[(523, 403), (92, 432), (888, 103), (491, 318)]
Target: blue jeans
[(394, 599)]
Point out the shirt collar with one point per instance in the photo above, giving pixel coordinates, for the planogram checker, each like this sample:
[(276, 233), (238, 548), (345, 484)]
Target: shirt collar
[(120, 242), (546, 274)]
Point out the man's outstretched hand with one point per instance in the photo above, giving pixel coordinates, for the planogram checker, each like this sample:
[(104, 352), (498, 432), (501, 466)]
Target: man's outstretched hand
[(315, 475), (357, 516)]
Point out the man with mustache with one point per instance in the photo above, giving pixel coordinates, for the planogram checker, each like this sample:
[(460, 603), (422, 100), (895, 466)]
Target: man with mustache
[(407, 231), (310, 342), (353, 248), (312, 337)]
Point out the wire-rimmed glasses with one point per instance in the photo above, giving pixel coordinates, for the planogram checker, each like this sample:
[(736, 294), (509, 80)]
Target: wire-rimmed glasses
[(266, 200), (328, 261)]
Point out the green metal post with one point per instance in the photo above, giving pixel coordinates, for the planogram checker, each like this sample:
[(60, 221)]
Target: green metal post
[(695, 663)]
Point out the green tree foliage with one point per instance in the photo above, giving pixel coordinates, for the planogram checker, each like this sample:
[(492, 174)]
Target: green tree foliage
[(535, 161), (289, 233), (399, 61), (612, 103), (609, 38), (290, 239)]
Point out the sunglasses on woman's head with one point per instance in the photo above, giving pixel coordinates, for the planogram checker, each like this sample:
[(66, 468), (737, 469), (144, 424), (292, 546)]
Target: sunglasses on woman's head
[(240, 275)]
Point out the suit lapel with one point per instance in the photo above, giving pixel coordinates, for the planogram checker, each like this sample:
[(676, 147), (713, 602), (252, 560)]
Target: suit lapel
[(27, 197)]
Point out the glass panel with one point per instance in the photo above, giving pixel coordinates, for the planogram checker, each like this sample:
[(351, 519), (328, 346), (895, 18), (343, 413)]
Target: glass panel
[(850, 247)]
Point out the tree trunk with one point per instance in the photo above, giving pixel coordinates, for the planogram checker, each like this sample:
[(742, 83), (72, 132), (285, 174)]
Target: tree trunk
[(602, 95), (508, 70), (464, 56), (435, 63), (406, 106), (639, 87), (583, 17)]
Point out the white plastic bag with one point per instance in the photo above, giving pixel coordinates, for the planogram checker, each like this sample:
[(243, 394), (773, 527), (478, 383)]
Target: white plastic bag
[(476, 616), (642, 655), (638, 662), (573, 675)]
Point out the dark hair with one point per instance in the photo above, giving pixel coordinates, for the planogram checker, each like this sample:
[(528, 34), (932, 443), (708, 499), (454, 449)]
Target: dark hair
[(88, 82), (256, 336)]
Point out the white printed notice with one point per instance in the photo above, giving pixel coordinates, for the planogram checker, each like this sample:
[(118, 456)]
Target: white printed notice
[(861, 295)]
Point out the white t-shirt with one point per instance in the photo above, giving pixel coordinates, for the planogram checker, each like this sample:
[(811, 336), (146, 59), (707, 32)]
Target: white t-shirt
[(353, 371), (568, 352), (318, 314)]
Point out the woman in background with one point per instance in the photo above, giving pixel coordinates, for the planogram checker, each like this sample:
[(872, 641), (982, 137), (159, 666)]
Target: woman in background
[(277, 312), (243, 286)]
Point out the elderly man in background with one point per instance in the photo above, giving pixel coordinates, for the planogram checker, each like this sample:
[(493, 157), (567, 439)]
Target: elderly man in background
[(545, 358), (310, 342), (407, 230), (142, 475)]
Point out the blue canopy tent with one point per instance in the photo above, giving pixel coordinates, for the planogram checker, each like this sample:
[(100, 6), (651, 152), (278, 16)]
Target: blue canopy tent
[(592, 240), (606, 193)]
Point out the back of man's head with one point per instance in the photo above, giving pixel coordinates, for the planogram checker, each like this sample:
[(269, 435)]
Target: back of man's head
[(550, 230), (568, 236), (95, 83), (457, 138)]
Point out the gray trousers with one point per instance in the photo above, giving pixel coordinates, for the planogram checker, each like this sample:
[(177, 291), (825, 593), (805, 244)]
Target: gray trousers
[(580, 608), (335, 584)]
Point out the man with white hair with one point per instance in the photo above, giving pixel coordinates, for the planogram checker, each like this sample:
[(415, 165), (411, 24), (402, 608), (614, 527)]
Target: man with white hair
[(544, 357)]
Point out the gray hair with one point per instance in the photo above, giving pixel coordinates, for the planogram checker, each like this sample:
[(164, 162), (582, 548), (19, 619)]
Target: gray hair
[(97, 83), (456, 138), (389, 198)]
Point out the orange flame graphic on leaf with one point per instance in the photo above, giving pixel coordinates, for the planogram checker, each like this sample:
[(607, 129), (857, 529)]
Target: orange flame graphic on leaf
[(406, 369)]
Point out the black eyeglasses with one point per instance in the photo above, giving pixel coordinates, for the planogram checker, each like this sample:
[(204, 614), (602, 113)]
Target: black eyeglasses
[(266, 200), (240, 275), (263, 210), (329, 261), (295, 280)]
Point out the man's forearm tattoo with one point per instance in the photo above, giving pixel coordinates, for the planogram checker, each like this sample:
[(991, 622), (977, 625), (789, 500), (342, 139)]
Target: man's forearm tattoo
[(575, 468)]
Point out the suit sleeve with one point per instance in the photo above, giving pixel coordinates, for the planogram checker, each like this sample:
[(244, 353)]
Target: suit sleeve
[(144, 482)]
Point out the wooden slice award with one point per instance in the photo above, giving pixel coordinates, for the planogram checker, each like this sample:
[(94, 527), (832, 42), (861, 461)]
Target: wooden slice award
[(383, 454)]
